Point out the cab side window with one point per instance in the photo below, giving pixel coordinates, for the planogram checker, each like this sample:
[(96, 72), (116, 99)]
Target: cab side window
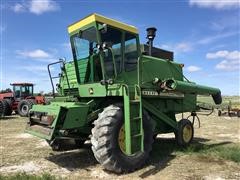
[(130, 52)]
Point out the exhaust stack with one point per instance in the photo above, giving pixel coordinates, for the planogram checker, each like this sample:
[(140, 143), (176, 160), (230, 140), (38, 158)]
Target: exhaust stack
[(151, 33)]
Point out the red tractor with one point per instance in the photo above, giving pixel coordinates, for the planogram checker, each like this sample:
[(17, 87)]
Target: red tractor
[(20, 99)]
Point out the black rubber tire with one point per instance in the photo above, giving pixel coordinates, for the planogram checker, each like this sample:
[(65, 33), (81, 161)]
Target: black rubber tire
[(9, 107), (27, 104), (219, 112), (6, 108), (1, 109), (79, 143), (105, 141), (179, 133)]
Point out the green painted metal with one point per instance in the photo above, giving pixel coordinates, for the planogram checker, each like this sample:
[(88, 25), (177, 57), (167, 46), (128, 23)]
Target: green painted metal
[(139, 81), (190, 87), (127, 124), (163, 117), (134, 135)]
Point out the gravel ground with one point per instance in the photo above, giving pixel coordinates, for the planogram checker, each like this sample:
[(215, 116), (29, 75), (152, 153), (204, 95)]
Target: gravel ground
[(22, 152)]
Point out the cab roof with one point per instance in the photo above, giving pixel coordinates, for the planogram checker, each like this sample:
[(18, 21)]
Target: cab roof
[(99, 18), (22, 84)]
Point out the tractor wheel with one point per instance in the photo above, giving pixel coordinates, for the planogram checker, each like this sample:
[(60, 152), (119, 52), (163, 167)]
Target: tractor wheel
[(219, 112), (1, 109), (9, 108), (108, 142), (6, 108), (24, 106), (185, 132)]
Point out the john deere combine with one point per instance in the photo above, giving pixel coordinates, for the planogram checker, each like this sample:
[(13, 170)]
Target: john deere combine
[(119, 94)]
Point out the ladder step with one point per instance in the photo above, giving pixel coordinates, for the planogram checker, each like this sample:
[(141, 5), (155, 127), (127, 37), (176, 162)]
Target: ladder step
[(136, 135), (135, 118), (135, 101)]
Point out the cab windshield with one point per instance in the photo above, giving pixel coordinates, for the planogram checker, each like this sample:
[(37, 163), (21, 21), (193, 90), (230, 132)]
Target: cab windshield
[(22, 91), (120, 55), (84, 43), (83, 47)]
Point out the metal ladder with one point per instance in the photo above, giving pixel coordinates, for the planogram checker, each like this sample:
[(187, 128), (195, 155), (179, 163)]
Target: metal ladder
[(134, 135)]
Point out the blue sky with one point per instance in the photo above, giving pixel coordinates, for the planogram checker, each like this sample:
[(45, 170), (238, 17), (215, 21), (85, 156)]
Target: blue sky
[(205, 36)]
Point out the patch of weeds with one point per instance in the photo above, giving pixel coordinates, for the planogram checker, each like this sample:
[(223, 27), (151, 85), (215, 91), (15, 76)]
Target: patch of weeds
[(24, 176), (224, 151), (230, 153)]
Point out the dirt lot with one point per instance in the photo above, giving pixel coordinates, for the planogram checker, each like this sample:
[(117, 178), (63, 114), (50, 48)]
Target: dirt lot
[(21, 152)]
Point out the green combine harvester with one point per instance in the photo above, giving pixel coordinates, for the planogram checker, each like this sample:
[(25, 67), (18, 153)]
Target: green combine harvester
[(117, 93)]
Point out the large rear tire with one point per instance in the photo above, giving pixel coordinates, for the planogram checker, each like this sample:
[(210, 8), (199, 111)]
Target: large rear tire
[(9, 107), (24, 106), (6, 107), (1, 109), (107, 144)]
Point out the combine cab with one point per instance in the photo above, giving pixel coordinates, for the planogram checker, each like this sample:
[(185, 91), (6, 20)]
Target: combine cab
[(119, 94), (19, 100)]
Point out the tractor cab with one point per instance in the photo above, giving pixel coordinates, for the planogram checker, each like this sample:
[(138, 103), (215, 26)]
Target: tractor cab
[(103, 49), (22, 90)]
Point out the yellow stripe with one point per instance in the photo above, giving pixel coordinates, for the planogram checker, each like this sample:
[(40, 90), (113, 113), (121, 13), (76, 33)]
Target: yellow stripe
[(102, 19)]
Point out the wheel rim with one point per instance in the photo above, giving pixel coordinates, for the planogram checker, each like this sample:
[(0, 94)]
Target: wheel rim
[(187, 133), (121, 139), (25, 109)]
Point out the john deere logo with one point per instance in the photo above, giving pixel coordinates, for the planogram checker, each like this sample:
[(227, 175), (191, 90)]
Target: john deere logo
[(162, 94)]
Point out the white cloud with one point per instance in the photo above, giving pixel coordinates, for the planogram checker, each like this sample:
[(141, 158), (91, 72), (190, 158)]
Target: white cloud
[(233, 55), (216, 4), (230, 60), (40, 6), (36, 6), (19, 8), (178, 47), (35, 54), (228, 65), (193, 68)]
